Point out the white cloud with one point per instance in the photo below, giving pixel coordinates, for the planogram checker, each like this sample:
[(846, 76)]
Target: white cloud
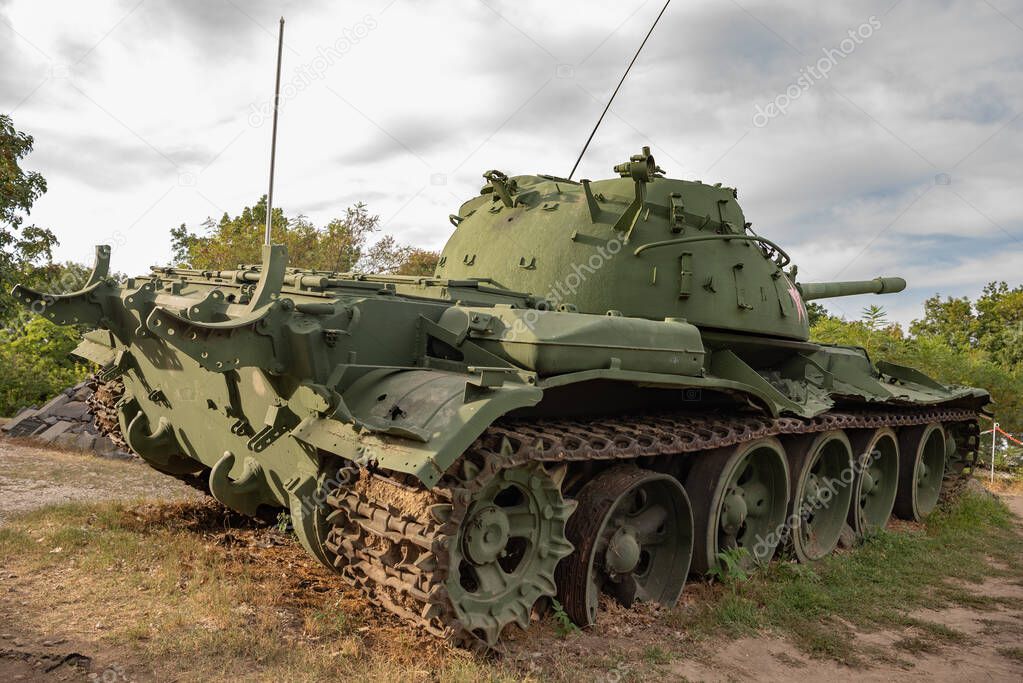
[(130, 103)]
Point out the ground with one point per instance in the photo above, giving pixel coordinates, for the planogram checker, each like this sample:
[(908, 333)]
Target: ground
[(110, 571)]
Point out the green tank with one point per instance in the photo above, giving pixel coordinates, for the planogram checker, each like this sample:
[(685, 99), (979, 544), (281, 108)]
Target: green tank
[(605, 387)]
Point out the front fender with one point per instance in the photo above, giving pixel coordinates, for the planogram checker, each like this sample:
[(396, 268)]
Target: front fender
[(414, 421)]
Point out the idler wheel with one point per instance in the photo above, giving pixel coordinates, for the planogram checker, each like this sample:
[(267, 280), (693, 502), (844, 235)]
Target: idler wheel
[(921, 470), (739, 496), (821, 467), (633, 534), (877, 479)]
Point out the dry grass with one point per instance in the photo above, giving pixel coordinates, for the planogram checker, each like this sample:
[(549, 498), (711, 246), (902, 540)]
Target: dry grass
[(1002, 484), (201, 593)]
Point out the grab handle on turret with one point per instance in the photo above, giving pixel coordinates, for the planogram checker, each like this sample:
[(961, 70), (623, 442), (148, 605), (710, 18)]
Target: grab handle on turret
[(828, 290)]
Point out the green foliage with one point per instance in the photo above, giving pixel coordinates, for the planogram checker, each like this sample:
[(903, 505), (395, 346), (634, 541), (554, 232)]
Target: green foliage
[(283, 522), (342, 245), (875, 317), (21, 246), (999, 323), (993, 324), (563, 623), (729, 566), (815, 312), (950, 320), (34, 354), (932, 354), (36, 364), (876, 585)]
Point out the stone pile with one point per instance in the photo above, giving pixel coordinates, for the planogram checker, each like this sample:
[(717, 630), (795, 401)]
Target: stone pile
[(67, 421)]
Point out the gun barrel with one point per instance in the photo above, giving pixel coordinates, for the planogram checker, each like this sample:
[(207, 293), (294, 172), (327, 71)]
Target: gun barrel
[(828, 290)]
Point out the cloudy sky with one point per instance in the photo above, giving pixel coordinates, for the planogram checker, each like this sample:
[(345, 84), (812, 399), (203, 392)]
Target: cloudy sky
[(866, 137)]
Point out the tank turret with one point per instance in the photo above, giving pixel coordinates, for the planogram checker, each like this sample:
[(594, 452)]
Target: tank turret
[(641, 245)]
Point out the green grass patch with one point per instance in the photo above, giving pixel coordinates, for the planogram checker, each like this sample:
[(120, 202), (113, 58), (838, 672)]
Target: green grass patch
[(655, 655), (1013, 653), (916, 646), (14, 542), (871, 587)]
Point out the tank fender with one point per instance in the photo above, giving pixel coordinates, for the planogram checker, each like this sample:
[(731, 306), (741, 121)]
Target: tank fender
[(907, 374), (97, 346), (725, 364), (416, 421)]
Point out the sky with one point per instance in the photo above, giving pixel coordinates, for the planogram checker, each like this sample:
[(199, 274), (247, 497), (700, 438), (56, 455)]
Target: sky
[(867, 138)]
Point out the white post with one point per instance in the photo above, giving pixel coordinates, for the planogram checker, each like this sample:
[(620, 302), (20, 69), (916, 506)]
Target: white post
[(994, 435)]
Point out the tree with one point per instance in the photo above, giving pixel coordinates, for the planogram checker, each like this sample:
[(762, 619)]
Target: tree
[(419, 262), (815, 312), (951, 320), (387, 256), (875, 317), (999, 323), (21, 246), (37, 364), (343, 245), (933, 356)]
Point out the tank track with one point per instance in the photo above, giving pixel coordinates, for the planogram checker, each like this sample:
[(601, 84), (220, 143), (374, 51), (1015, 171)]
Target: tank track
[(400, 560), (393, 559), (103, 405)]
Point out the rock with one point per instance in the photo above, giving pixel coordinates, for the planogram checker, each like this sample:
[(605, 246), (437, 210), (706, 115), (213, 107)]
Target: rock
[(75, 410), (20, 419), (57, 401), (68, 421), (975, 487), (54, 431), (85, 442), (847, 537), (65, 440), (39, 430), (28, 427)]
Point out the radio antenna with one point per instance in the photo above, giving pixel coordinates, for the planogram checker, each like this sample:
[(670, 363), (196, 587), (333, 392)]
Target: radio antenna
[(603, 113), (273, 138)]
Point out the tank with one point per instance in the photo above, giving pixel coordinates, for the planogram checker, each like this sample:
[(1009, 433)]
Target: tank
[(606, 386)]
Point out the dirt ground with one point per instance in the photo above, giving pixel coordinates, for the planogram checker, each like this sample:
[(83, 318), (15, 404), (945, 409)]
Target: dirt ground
[(981, 658), (32, 477), (34, 647)]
